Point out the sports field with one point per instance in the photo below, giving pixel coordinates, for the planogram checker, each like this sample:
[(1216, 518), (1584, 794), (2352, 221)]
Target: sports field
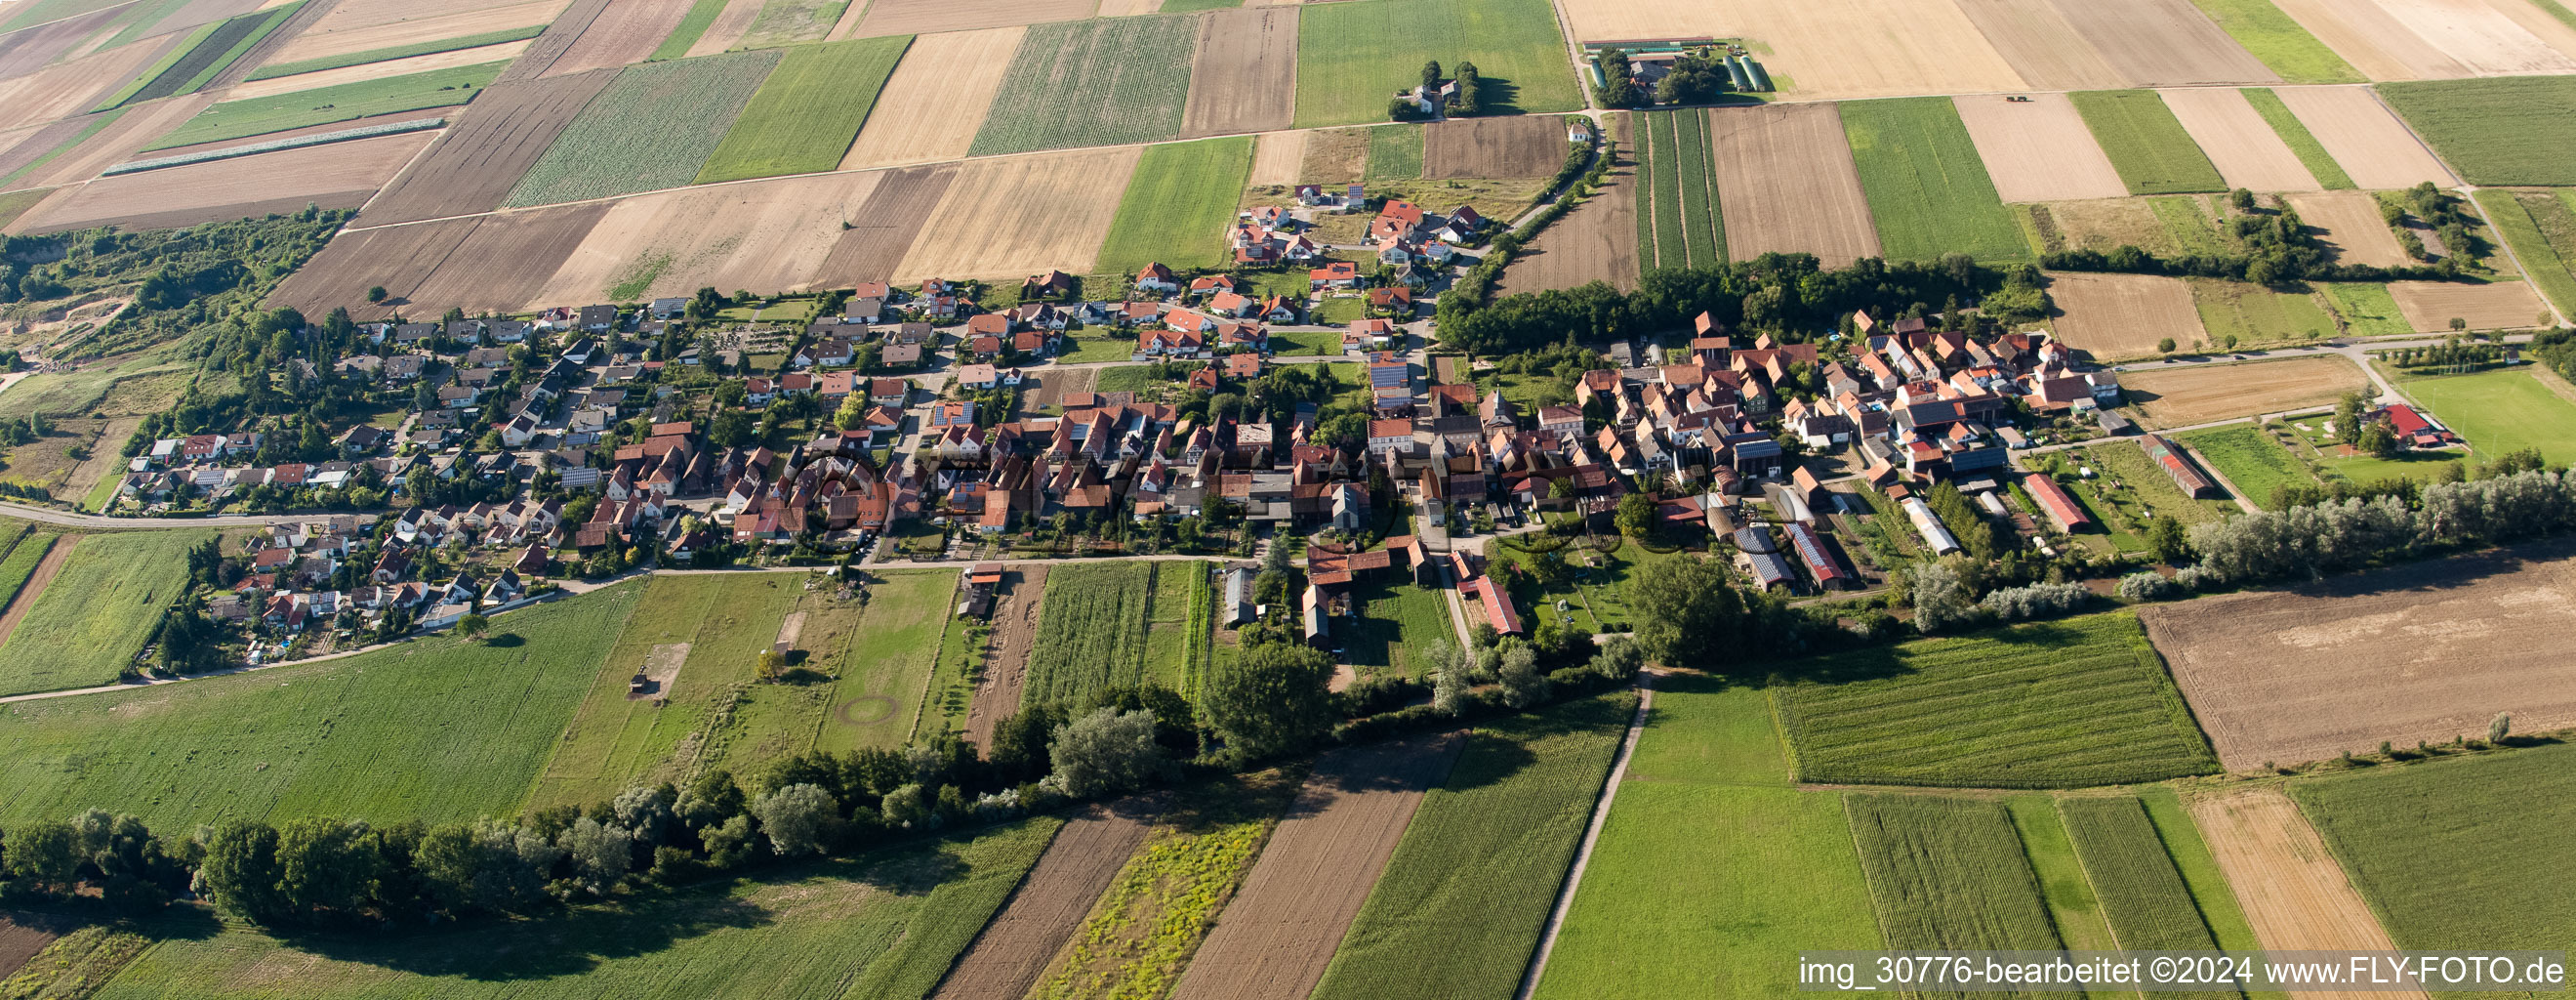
[(2501, 411), (652, 128), (1352, 56), (1928, 191), (88, 624), (2514, 130), (2146, 143), (803, 118), (1103, 82), (1179, 206), (324, 105)]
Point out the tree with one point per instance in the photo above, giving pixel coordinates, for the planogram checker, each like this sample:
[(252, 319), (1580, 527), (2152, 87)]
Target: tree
[(473, 626), (1431, 75), (1941, 600), (2167, 538), (1272, 700), (1449, 689), (1636, 517), (800, 819), (601, 854), (239, 874), (375, 294), (2499, 727), (1687, 613), (1523, 685), (324, 865), (1105, 753), (2165, 346)]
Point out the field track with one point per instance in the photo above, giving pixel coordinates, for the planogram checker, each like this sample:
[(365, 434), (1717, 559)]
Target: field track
[(2352, 226), (46, 570), (485, 150), (936, 100), (2364, 138), (2239, 142), (1030, 213), (2293, 893), (1042, 915), (1786, 182), (341, 175), (1244, 77), (2199, 394), (911, 17), (2123, 315), (2040, 44), (624, 33), (1275, 937), (2431, 305), (1519, 146), (1006, 668), (2163, 43), (884, 227), (1597, 241), (2038, 150)]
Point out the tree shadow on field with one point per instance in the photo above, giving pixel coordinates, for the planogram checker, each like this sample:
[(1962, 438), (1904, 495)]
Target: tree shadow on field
[(2447, 573), (1499, 95)]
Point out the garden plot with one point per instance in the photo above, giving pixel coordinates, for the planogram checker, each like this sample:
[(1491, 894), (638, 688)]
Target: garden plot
[(1244, 77), (2199, 394), (2292, 892), (909, 17), (2372, 41), (2038, 150), (769, 235), (2430, 306), (2364, 138), (341, 175), (651, 128), (2425, 652), (1031, 213), (1596, 241), (1521, 146), (358, 26), (1015, 627), (1785, 182), (1091, 634), (2113, 316), (2352, 226), (2238, 141), (1011, 953), (1615, 20), (2478, 36), (2163, 43), (885, 226), (625, 32), (936, 100), (486, 149), (1102, 82), (2040, 45)]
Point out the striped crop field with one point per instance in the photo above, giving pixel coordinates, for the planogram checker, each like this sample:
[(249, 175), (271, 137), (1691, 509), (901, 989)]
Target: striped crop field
[(1102, 82), (1928, 190), (653, 128), (804, 117), (2146, 143)]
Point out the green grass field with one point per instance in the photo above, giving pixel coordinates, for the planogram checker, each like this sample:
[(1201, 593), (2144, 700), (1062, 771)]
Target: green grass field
[(1702, 217), (789, 22), (1928, 191), (1460, 906), (2143, 894), (804, 117), (883, 925), (1103, 82), (2186, 219), (1180, 591), (692, 27), (2071, 903), (2146, 489), (653, 127), (2279, 41), (2080, 701), (2536, 225), (1399, 624), (2367, 309), (2501, 411), (1394, 154), (885, 666), (2249, 457), (1672, 225), (324, 105), (1091, 631), (371, 56), (1352, 56), (86, 626), (207, 51), (24, 554), (2461, 853), (2146, 143), (434, 729), (2257, 315), (1949, 874), (1712, 866), (1179, 206), (2295, 133), (2505, 131), (2210, 892)]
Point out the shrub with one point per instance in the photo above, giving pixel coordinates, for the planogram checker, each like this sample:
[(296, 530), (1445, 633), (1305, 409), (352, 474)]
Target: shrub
[(2039, 600), (2149, 585)]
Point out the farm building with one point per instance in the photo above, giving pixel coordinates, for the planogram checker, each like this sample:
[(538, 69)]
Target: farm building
[(2194, 483), (1820, 560), (980, 581), (1763, 558), (2415, 430), (2054, 501), (1929, 526), (1238, 596)]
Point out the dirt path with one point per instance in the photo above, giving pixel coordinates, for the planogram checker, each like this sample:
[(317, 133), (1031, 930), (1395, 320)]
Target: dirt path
[(52, 564), (1591, 836), (2294, 894), (1044, 912), (1273, 941), (1015, 629)]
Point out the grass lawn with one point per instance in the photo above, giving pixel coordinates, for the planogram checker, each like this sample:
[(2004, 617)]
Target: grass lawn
[(435, 729), (884, 663), (804, 117), (2505, 131), (86, 626), (1179, 206), (2292, 131), (2367, 310), (1701, 215), (885, 924), (1351, 56), (323, 105), (1399, 623), (1463, 899), (1672, 223), (370, 56), (1102, 82), (2069, 897), (1394, 153), (2146, 143), (2255, 315), (2536, 224), (2251, 458), (1712, 866), (2279, 41), (2142, 892), (1928, 191), (1949, 874), (2500, 411), (2079, 701), (1091, 631), (1168, 632), (1309, 343), (653, 127)]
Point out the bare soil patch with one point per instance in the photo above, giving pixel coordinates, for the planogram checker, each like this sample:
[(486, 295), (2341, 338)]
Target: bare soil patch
[(2365, 138), (1786, 182), (119, 141), (726, 29), (1006, 666), (2038, 150), (905, 17), (372, 71), (397, 257), (1869, 48), (342, 175), (1520, 146), (1028, 214), (72, 87), (2431, 305), (2247, 152), (626, 32), (1042, 915), (2369, 39), (883, 229), (23, 935), (46, 570), (661, 666), (2163, 43), (2422, 652), (770, 236), (2041, 45), (2123, 315), (2203, 393), (1335, 157), (1277, 157), (2349, 222), (1597, 241), (936, 99), (2293, 892), (365, 25), (1274, 939), (503, 265), (1618, 20), (1244, 78), (31, 49), (2478, 36), (486, 149)]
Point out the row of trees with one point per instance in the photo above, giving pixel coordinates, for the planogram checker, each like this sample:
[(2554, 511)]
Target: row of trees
[(2274, 246), (2313, 540)]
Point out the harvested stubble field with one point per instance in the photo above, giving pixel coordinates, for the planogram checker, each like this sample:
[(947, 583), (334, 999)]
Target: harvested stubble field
[(1278, 158), (1611, 20), (2364, 138), (81, 629), (1949, 874), (486, 149), (2352, 228), (2082, 701), (651, 128), (2112, 316), (2293, 894), (2513, 131), (30, 48), (2164, 43), (396, 257), (2040, 45), (503, 52), (341, 175), (908, 17), (772, 235), (1786, 182), (2200, 394), (1276, 937), (557, 39), (936, 100), (804, 117), (366, 25), (1033, 213), (1178, 206), (1928, 193), (2274, 37), (491, 39), (2244, 148), (502, 264), (1103, 82), (70, 88), (2482, 37), (1868, 48), (1524, 146), (2430, 306), (2038, 150), (2424, 652), (1596, 241), (2147, 145), (1352, 56), (1244, 78), (1010, 953), (346, 102), (885, 226), (624, 32)]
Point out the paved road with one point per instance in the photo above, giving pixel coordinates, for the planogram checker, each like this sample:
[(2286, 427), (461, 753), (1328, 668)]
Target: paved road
[(65, 519)]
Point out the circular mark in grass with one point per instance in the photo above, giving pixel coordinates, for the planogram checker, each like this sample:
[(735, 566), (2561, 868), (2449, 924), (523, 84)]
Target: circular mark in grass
[(867, 711)]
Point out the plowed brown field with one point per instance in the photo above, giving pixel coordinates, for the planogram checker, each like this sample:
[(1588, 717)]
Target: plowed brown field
[(2200, 394), (2370, 40), (1012, 951), (1006, 667), (2431, 305), (28, 50), (1519, 146), (1274, 939), (885, 226), (1786, 182), (1870, 48), (396, 257), (503, 264), (1244, 78), (2123, 315), (2365, 138), (364, 25), (557, 39), (2239, 142), (486, 149), (2162, 43), (2038, 150), (770, 235), (1597, 241), (342, 175), (935, 100), (624, 33), (2352, 227), (907, 17), (2478, 36), (2036, 40), (1027, 214), (2294, 894)]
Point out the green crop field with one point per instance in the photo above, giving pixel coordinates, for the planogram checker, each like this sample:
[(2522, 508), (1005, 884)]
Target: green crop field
[(2080, 701), (1352, 56), (1928, 191), (652, 128), (1091, 631), (2249, 457), (2295, 133), (1700, 213), (803, 119), (1399, 623), (1672, 223), (206, 52), (1463, 899), (1179, 206), (2069, 897), (2146, 143), (788, 22), (2501, 411), (1949, 875), (2142, 892), (324, 105), (371, 56), (2279, 41), (2505, 131), (2462, 853), (21, 563), (1711, 862), (1102, 82), (2257, 315), (2367, 309), (1643, 184), (435, 729), (887, 661), (1179, 601), (692, 26), (2536, 225), (1394, 154), (884, 925), (85, 627)]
